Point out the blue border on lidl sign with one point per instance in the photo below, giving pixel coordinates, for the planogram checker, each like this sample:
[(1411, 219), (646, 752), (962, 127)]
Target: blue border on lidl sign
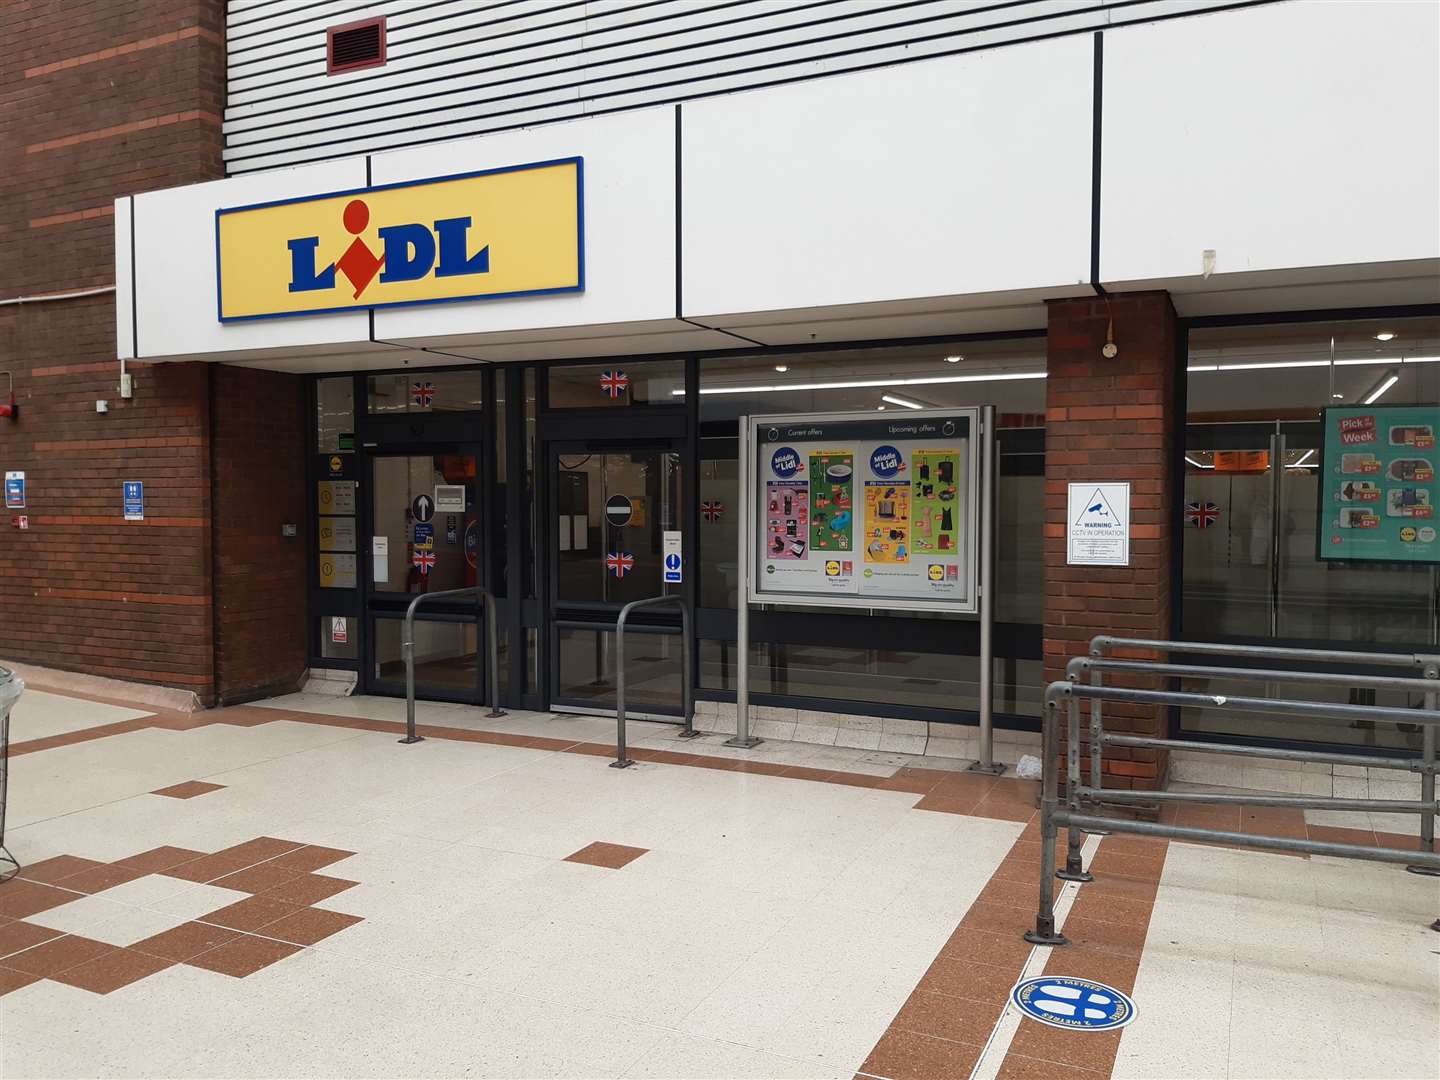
[(579, 286), (1108, 1024)]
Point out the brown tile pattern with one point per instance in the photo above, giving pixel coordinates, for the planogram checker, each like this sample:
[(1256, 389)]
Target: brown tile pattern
[(53, 871), (20, 898), (943, 1027), (16, 935), (99, 878), (236, 940), (251, 914), (188, 790), (243, 955), (1106, 927), (610, 856), (185, 942), (309, 925), (157, 860), (117, 968)]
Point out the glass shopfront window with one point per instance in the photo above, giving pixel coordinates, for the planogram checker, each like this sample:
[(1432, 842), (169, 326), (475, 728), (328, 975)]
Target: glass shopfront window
[(1251, 522), (460, 390), (616, 386), (942, 675)]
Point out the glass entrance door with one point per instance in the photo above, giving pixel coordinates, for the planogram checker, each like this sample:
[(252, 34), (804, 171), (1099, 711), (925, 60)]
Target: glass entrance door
[(424, 536), (611, 504)]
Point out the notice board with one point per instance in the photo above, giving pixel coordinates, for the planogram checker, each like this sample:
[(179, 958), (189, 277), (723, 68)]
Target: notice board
[(865, 511), (1378, 486)]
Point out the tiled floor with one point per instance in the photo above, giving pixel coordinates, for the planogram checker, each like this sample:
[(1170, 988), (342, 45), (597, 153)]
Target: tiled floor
[(495, 901)]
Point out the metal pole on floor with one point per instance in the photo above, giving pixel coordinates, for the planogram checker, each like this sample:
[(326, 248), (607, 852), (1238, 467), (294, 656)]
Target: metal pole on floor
[(989, 479), (1074, 837), (1427, 778), (743, 738), (1045, 932)]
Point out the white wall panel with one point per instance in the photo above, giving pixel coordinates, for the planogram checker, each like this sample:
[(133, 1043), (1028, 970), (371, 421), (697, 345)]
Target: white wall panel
[(629, 224), (965, 175), (1289, 135), (175, 266)]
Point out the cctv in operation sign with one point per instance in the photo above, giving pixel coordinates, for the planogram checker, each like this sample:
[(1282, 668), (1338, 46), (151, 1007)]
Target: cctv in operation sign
[(865, 511)]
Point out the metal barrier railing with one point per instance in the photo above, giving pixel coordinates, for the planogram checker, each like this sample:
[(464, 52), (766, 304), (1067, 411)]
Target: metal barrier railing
[(11, 687), (1076, 823), (687, 693), (486, 600)]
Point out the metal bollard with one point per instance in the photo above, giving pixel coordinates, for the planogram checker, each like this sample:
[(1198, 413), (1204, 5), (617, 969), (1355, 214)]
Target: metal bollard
[(11, 687), (1045, 932)]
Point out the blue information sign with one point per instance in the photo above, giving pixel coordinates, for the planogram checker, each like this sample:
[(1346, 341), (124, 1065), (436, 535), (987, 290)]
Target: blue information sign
[(672, 568), (14, 491), (134, 497)]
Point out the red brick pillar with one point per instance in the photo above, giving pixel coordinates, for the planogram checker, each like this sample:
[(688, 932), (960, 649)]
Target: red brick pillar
[(1112, 420)]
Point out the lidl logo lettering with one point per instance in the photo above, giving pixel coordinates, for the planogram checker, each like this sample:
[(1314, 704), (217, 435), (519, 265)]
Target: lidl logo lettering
[(514, 231), (410, 252)]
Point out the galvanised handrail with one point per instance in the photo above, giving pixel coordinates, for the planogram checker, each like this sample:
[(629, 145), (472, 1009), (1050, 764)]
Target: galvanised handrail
[(687, 693), (1427, 664), (486, 600), (1053, 816)]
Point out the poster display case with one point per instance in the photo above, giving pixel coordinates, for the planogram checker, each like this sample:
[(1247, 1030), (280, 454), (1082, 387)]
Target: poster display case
[(865, 510)]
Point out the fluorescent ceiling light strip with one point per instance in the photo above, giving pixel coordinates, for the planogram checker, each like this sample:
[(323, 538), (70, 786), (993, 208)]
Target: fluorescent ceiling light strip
[(1374, 395), (1300, 464), (1197, 464), (1278, 364), (862, 384), (903, 402)]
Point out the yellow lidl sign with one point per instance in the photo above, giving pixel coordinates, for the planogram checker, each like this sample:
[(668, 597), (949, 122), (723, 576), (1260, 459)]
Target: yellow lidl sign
[(516, 231)]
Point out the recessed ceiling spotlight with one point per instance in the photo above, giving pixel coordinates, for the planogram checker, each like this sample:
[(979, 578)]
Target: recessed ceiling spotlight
[(782, 368), (953, 359), (1385, 335)]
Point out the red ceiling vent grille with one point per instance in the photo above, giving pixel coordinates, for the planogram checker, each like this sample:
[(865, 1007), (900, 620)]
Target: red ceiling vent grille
[(354, 46)]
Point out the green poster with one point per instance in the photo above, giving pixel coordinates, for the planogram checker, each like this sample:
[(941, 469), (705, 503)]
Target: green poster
[(1378, 487), (832, 509)]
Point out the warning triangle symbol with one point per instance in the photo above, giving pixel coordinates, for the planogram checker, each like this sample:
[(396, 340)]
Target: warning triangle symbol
[(1097, 511)]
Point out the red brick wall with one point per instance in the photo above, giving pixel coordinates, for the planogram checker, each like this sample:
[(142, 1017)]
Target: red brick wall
[(101, 98), (259, 440), (1111, 420)]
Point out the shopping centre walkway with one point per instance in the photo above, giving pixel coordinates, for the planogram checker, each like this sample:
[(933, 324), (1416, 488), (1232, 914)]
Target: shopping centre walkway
[(284, 890)]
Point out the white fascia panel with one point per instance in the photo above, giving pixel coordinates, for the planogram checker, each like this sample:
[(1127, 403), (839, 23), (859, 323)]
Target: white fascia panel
[(629, 208), (1285, 136), (175, 296), (124, 282), (948, 177)]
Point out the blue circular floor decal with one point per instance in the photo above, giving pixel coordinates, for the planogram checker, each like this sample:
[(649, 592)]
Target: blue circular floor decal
[(1075, 1004)]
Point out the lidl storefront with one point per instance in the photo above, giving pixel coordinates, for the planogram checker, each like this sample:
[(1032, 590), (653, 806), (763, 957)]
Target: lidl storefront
[(524, 358)]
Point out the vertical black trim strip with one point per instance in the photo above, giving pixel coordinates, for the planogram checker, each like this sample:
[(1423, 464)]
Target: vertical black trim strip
[(369, 181), (214, 541), (679, 220), (134, 289), (1180, 402), (1097, 109)]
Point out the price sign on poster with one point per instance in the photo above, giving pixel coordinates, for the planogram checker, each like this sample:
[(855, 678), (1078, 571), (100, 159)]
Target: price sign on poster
[(1379, 490), (865, 511)]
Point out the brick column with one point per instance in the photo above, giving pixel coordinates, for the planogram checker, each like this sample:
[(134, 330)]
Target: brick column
[(1112, 420)]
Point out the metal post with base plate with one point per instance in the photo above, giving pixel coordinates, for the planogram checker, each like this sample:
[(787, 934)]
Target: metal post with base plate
[(743, 738), (989, 481)]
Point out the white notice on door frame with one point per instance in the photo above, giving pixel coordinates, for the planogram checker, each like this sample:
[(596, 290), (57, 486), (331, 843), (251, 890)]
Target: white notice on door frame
[(1097, 525)]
